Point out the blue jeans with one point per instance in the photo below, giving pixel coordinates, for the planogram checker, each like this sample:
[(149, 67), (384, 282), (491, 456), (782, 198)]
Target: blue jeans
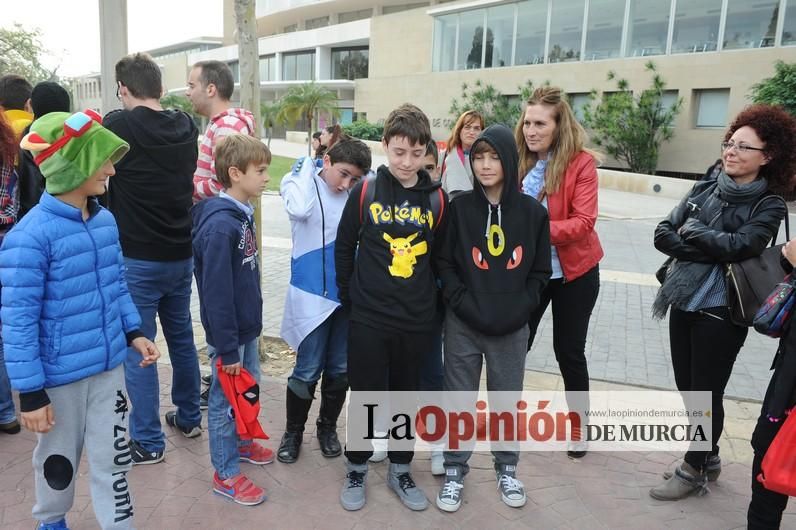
[(224, 440), (325, 350), (162, 287), (431, 370), (7, 414)]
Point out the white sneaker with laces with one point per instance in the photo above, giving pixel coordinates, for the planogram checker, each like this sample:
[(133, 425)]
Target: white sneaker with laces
[(512, 491)]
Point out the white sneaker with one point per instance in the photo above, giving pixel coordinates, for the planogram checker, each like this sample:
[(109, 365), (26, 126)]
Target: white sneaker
[(437, 462), (379, 448)]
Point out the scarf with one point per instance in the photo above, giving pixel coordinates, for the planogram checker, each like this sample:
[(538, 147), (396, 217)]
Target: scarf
[(533, 182), (683, 278)]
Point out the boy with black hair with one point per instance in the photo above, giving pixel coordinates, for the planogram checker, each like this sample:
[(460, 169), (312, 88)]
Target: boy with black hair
[(231, 304), (491, 280), (314, 324), (387, 291), (15, 93)]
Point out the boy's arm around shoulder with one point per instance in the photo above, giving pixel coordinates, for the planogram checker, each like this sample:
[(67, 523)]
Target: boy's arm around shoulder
[(345, 246), (217, 286), (541, 269), (24, 262), (298, 190)]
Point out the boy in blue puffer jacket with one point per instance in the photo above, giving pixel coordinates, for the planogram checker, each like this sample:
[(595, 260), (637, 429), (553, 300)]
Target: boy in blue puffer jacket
[(68, 320)]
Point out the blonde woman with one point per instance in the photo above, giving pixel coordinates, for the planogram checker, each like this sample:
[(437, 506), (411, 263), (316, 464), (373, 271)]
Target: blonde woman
[(558, 171), (457, 175)]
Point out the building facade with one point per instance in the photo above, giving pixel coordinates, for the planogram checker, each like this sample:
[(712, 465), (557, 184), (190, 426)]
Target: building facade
[(377, 56)]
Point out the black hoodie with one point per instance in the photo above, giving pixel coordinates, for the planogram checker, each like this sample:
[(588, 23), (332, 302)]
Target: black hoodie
[(383, 264), (150, 195), (493, 282)]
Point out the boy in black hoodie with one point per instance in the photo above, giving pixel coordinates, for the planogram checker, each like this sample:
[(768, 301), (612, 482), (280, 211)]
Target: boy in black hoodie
[(383, 261), (150, 196), (494, 263)]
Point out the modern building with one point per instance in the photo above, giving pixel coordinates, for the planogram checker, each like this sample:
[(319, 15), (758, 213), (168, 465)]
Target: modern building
[(377, 55)]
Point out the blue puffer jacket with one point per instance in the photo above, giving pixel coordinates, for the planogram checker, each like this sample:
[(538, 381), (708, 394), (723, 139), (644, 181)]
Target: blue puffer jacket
[(65, 305)]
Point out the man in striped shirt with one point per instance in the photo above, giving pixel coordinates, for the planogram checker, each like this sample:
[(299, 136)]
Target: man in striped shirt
[(210, 87)]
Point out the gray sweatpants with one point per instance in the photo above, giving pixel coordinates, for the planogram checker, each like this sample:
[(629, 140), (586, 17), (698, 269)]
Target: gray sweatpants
[(93, 413), (465, 351)]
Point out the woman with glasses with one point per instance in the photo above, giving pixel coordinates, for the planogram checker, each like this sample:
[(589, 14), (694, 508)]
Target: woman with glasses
[(457, 175), (719, 222)]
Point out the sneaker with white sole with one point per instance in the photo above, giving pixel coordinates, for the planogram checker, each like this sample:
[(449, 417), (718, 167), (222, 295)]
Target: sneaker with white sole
[(512, 491), (399, 479), (437, 462), (141, 456), (188, 432), (352, 496), (449, 498)]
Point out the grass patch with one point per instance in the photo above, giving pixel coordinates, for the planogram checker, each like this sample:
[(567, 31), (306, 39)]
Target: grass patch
[(279, 166)]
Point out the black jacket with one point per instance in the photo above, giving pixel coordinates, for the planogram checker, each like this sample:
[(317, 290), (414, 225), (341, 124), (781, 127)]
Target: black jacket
[(150, 195), (30, 181), (494, 282), (383, 264), (705, 228)]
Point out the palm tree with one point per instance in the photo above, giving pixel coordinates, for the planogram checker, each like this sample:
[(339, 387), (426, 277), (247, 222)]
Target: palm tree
[(304, 102), (176, 101), (270, 114)]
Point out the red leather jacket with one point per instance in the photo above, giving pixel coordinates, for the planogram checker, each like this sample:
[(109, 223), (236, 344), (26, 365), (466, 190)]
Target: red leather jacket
[(573, 212)]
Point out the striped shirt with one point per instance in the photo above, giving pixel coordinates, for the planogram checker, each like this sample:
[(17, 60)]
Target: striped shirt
[(9, 199), (231, 121)]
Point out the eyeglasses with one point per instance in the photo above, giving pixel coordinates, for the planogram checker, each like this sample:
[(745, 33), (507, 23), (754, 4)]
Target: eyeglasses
[(741, 148), (118, 87)]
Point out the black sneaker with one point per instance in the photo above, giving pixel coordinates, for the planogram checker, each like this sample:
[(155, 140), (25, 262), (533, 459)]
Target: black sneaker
[(207, 379), (142, 457), (203, 398), (188, 432)]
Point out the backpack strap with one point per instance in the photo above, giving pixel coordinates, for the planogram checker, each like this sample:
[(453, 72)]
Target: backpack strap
[(366, 195), (437, 200)]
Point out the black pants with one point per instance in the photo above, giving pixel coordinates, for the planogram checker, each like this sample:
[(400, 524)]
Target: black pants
[(382, 360), (766, 506), (704, 346), (573, 303)]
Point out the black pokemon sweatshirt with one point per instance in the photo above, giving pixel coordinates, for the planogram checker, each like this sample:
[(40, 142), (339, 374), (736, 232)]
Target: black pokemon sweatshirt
[(495, 258), (383, 261)]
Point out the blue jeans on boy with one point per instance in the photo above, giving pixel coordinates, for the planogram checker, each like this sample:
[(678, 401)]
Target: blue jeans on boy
[(224, 440), (7, 412), (324, 350), (162, 288)]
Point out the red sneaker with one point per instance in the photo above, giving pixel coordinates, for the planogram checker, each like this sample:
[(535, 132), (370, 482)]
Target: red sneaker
[(240, 489), (255, 453)]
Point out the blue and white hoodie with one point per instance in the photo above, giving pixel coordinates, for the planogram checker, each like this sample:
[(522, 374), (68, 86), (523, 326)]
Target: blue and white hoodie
[(314, 212)]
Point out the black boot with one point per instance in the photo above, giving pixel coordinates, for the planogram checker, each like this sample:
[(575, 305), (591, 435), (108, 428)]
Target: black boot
[(298, 407), (333, 390)]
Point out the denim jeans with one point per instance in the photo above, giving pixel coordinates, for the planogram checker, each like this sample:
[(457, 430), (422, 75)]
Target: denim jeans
[(224, 440), (7, 414), (325, 350), (162, 288)]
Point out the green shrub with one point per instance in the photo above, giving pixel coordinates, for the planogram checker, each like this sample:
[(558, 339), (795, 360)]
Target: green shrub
[(364, 130)]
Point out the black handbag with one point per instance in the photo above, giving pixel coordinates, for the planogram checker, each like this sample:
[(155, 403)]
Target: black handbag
[(749, 282)]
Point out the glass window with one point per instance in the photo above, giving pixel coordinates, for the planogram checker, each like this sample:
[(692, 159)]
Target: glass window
[(350, 16), (444, 42), (499, 35), (387, 10), (696, 26), (669, 98), (268, 68), (350, 63), (235, 67), (290, 29), (346, 116), (566, 29), (298, 66), (789, 27), (471, 40), (712, 107), (319, 22), (578, 100), (531, 28), (604, 29), (649, 27), (750, 25)]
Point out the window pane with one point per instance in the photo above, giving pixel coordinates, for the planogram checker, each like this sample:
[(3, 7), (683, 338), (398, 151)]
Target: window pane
[(305, 66), (499, 35), (789, 27), (235, 67), (531, 28), (566, 28), (696, 26), (712, 107), (289, 67), (387, 10), (750, 25), (649, 27), (604, 29), (471, 39), (350, 64), (444, 42), (312, 23), (267, 68), (350, 16), (578, 100)]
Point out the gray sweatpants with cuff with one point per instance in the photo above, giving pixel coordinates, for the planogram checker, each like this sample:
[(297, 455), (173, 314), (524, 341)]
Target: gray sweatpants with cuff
[(90, 413), (465, 351)]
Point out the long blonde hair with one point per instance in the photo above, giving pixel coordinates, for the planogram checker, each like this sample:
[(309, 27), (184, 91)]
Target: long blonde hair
[(569, 141), (466, 117)]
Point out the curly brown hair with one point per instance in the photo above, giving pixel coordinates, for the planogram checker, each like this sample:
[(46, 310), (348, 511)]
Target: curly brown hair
[(9, 144), (777, 129)]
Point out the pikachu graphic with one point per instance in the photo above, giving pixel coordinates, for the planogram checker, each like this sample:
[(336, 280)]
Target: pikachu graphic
[(404, 254)]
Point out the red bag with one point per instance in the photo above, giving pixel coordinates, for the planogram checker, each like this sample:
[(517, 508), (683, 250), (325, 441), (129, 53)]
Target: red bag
[(243, 394), (778, 469)]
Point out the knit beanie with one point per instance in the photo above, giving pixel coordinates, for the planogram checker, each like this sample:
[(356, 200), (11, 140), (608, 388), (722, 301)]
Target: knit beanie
[(47, 97), (70, 148)]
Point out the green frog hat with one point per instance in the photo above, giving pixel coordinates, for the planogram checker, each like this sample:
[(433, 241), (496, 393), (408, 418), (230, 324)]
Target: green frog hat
[(70, 148)]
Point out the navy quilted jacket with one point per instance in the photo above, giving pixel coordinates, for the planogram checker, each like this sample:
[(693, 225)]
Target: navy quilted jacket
[(65, 305)]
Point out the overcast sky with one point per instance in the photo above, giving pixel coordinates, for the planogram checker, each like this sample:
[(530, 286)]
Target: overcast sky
[(70, 28)]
